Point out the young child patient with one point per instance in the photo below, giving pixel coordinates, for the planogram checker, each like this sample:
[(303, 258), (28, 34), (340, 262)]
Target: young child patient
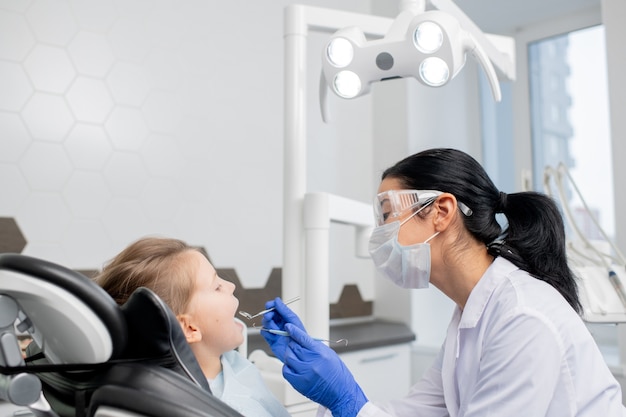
[(205, 307)]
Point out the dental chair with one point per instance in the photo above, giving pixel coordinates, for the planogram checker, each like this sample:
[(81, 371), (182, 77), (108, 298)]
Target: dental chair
[(89, 357)]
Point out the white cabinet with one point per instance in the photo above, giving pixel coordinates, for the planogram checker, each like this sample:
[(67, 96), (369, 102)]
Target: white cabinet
[(383, 373), (307, 409), (271, 371)]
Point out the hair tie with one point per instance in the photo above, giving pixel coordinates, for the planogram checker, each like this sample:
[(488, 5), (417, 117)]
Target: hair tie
[(502, 202)]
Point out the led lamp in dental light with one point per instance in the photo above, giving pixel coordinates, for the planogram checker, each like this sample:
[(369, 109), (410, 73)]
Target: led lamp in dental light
[(430, 46), (340, 52), (347, 84), (434, 71), (428, 37)]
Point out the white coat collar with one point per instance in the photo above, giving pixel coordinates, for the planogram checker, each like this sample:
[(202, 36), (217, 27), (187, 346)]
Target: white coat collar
[(480, 295)]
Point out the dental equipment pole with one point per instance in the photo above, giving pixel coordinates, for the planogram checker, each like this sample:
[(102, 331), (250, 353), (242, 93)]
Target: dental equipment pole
[(298, 21), (320, 210)]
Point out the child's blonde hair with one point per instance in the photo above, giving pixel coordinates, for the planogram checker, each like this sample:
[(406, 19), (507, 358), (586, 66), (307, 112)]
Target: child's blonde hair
[(155, 263)]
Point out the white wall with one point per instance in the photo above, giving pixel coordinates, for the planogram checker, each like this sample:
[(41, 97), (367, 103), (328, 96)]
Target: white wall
[(121, 119)]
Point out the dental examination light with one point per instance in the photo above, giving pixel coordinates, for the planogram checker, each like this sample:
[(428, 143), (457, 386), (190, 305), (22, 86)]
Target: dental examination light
[(430, 46)]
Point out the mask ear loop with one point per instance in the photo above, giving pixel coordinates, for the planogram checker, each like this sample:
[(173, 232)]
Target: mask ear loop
[(417, 211), (432, 237)]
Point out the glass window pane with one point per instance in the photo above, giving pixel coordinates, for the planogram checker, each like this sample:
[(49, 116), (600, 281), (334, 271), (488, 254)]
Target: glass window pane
[(570, 121)]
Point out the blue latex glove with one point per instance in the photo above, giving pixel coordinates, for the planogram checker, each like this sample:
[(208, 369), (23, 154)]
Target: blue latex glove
[(317, 372), (276, 320)]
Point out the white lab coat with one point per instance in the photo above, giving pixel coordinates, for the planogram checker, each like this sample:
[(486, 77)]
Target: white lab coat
[(241, 386), (516, 350)]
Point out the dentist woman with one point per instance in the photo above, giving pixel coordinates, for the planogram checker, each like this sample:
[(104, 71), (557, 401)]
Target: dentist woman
[(516, 345)]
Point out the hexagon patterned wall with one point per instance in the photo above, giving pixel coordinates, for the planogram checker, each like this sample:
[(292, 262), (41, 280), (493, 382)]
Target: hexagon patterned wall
[(105, 110), (117, 121)]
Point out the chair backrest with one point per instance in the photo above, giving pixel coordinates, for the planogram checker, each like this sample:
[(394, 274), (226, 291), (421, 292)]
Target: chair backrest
[(155, 346), (136, 390), (97, 356), (71, 318), (163, 378), (72, 321)]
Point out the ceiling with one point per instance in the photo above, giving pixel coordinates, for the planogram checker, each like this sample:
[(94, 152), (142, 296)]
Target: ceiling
[(507, 16)]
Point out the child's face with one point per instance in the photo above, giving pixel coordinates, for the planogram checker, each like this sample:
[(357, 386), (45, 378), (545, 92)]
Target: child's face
[(213, 307)]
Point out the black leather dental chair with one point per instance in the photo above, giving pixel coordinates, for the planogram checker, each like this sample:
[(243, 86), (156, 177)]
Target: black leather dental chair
[(90, 357)]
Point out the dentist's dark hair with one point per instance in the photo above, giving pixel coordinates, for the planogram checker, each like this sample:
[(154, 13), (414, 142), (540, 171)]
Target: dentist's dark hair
[(534, 239)]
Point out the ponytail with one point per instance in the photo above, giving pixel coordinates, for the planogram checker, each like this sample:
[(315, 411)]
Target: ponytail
[(535, 242)]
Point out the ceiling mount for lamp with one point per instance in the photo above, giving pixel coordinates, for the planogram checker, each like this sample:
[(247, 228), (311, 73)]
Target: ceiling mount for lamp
[(430, 46)]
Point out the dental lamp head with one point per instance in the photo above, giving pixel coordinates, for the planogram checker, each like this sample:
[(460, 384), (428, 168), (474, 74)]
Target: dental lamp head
[(430, 46)]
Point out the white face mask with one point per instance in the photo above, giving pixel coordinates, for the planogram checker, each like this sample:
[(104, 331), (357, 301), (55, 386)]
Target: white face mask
[(405, 266)]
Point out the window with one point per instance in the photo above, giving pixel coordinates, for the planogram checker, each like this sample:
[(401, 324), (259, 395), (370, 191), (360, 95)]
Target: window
[(558, 112), (570, 121)]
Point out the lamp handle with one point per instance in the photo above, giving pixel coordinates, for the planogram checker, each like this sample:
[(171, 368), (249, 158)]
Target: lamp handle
[(481, 56)]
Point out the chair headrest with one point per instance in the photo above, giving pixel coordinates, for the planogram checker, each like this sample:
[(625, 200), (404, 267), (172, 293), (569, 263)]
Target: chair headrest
[(155, 341), (154, 332), (73, 319)]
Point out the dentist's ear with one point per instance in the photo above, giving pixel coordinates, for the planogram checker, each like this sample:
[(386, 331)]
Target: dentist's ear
[(190, 330), (446, 208)]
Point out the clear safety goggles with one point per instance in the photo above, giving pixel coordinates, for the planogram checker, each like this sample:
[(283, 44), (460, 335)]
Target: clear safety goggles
[(391, 204)]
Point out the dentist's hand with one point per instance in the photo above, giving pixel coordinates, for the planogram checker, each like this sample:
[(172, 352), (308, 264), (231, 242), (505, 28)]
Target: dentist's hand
[(317, 372), (276, 320)]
